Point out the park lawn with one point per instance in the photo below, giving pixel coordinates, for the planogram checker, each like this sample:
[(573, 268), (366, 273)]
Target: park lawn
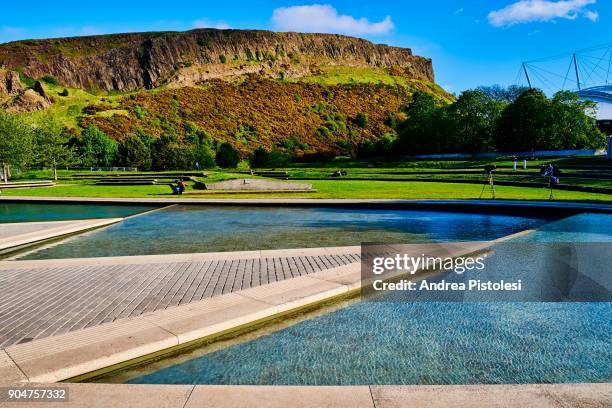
[(335, 189)]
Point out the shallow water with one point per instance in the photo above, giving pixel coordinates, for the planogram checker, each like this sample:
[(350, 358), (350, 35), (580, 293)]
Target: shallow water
[(418, 343), (188, 229), (29, 212), (404, 342)]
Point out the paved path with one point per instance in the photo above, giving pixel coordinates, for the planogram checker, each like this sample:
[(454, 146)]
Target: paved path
[(45, 298), (513, 206), (22, 233), (362, 396)]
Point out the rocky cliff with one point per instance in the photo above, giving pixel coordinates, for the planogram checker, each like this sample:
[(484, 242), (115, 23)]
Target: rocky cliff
[(125, 62)]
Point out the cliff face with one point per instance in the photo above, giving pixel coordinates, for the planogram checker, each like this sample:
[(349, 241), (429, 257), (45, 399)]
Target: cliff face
[(125, 62)]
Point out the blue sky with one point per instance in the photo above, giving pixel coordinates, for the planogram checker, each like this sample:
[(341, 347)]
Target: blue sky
[(477, 42)]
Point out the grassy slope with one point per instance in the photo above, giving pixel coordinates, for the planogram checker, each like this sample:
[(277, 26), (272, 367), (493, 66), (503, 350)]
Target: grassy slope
[(358, 75), (66, 109)]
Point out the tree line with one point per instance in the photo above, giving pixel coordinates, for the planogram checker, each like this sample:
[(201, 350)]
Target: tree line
[(491, 119), (48, 143)]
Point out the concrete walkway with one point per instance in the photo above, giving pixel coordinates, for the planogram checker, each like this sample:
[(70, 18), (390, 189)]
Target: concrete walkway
[(13, 235), (49, 297), (373, 396), (565, 207)]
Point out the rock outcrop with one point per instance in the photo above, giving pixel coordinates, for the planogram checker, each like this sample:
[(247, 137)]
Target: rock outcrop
[(15, 99), (9, 84), (125, 62)]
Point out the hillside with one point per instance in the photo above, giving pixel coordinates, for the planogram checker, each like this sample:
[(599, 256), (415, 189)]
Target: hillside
[(301, 92), (305, 118)]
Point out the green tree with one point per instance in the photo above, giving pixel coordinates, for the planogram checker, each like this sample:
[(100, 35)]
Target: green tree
[(53, 145), (133, 152), (501, 94), (167, 154), (525, 124), (198, 144), (16, 143), (227, 156), (203, 156), (573, 124), (421, 131), (96, 148), (259, 158), (470, 123)]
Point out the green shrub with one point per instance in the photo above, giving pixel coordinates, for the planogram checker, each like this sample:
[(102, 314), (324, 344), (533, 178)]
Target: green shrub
[(323, 133), (63, 93), (50, 79), (345, 144), (222, 59), (139, 112), (28, 81), (331, 125), (203, 43), (362, 120), (328, 94)]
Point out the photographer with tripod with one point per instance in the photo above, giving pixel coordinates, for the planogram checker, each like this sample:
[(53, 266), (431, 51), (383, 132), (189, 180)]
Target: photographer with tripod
[(489, 180)]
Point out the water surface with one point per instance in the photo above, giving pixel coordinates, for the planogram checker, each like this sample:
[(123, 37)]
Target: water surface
[(406, 342), (29, 212), (188, 229)]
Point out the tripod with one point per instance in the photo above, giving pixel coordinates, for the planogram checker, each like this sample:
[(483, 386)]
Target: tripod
[(552, 182), (490, 181)]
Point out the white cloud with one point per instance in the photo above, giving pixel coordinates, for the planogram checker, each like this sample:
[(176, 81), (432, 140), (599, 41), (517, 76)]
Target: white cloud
[(592, 15), (206, 23), (528, 11), (459, 11), (323, 18)]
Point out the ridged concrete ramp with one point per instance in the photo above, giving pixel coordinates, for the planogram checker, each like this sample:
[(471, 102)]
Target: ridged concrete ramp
[(50, 297)]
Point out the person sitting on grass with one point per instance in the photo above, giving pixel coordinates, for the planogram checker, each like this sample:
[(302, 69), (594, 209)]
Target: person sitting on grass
[(175, 188), (181, 186)]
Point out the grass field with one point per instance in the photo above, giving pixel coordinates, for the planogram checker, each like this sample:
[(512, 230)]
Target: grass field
[(325, 189), (371, 187)]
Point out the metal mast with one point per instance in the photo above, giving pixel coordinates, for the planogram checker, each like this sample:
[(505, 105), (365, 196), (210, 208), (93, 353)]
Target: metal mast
[(576, 69), (527, 75)]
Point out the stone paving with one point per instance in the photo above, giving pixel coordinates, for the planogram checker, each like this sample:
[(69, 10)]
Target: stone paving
[(48, 300)]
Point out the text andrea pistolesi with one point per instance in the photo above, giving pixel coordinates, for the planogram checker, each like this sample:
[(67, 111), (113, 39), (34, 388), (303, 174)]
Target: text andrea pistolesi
[(400, 264)]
